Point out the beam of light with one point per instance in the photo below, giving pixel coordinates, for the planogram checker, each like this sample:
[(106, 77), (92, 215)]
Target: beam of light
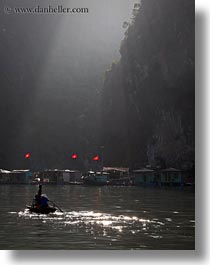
[(77, 43)]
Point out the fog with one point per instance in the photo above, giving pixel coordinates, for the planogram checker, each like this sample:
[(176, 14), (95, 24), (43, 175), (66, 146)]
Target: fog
[(51, 75)]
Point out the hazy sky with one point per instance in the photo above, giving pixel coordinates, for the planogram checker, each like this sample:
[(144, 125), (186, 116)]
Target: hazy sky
[(51, 67)]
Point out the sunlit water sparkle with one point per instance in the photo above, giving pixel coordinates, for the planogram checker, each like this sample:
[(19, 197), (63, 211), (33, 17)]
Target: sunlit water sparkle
[(99, 218), (89, 219)]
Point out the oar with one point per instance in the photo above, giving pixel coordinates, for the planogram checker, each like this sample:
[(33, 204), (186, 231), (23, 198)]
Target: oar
[(56, 206)]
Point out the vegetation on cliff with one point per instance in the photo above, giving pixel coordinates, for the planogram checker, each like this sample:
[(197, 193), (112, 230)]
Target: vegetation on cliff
[(148, 98)]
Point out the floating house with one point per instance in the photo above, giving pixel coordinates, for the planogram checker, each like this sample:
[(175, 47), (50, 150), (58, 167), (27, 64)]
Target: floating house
[(57, 176), (144, 177), (4, 176), (52, 176), (171, 177), (189, 177), (22, 176), (118, 175), (72, 176)]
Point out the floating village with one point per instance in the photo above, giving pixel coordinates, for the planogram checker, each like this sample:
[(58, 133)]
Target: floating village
[(116, 176)]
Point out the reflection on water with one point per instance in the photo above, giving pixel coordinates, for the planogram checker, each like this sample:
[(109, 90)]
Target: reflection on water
[(108, 226), (99, 218), (90, 219)]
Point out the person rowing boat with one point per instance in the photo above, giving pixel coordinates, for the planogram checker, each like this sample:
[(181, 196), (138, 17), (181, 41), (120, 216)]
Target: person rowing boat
[(40, 200), (40, 203)]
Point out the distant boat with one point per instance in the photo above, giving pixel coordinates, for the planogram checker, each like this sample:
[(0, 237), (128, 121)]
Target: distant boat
[(99, 178), (41, 210)]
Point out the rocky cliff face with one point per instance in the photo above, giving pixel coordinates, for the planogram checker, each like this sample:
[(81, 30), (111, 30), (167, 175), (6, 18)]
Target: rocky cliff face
[(148, 96)]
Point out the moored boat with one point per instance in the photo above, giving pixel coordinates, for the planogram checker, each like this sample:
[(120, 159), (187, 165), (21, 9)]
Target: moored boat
[(99, 178)]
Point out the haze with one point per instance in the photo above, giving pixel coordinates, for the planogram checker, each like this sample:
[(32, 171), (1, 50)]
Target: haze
[(52, 69)]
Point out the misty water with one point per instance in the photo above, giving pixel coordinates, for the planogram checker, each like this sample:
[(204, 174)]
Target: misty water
[(98, 218)]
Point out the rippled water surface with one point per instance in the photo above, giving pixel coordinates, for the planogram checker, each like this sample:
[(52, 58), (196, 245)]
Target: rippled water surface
[(98, 218)]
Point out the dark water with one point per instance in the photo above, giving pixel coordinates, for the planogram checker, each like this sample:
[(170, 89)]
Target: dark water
[(99, 218)]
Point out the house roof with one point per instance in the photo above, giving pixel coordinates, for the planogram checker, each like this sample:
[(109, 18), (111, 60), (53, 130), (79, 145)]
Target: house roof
[(4, 171), (170, 169), (14, 171), (143, 170), (120, 169), (19, 170), (60, 170)]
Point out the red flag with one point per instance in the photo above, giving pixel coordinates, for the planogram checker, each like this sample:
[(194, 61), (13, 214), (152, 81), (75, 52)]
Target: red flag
[(74, 156), (27, 155), (96, 158)]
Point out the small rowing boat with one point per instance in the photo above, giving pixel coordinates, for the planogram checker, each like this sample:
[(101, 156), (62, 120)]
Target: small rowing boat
[(41, 210), (40, 204)]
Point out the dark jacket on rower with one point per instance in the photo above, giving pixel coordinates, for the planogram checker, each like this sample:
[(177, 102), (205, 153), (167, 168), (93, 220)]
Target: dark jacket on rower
[(44, 201), (40, 200)]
